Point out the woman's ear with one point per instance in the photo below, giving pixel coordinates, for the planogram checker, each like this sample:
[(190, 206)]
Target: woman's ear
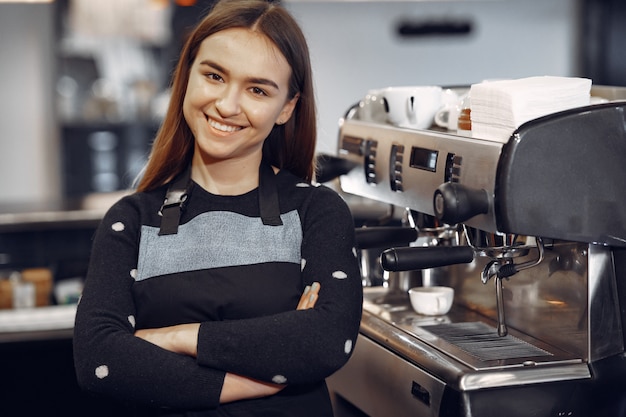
[(287, 110)]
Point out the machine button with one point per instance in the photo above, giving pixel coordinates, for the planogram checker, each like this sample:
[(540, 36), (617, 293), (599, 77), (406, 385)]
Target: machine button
[(370, 148), (396, 156), (452, 171)]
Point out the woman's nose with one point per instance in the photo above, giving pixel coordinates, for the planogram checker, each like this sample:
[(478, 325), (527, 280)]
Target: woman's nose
[(228, 103)]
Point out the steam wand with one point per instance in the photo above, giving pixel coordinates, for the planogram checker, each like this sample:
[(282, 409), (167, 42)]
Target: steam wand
[(500, 270)]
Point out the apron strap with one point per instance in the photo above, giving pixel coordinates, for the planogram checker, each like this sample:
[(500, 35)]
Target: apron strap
[(268, 196), (172, 207), (178, 192)]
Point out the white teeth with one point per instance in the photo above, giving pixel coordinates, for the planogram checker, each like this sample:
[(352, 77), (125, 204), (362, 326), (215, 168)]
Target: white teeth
[(222, 127)]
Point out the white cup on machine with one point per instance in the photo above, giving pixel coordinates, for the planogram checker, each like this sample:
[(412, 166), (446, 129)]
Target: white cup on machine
[(412, 107), (431, 301), (372, 108), (448, 115)]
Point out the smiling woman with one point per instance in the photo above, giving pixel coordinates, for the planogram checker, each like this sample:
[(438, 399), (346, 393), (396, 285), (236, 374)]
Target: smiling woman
[(290, 144), (228, 284), (232, 102)]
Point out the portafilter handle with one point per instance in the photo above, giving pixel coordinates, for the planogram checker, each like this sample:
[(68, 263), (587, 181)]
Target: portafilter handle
[(424, 257)]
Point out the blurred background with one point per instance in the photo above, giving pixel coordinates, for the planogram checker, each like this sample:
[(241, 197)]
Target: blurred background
[(84, 82), (84, 85)]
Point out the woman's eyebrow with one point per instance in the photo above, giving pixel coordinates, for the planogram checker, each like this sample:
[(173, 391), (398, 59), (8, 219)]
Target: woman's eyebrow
[(214, 65), (264, 81), (255, 80)]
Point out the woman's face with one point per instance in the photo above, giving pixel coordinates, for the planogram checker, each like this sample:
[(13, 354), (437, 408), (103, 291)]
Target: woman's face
[(237, 91)]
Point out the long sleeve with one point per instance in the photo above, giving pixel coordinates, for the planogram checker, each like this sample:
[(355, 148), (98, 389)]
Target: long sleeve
[(109, 359), (300, 346), (212, 272)]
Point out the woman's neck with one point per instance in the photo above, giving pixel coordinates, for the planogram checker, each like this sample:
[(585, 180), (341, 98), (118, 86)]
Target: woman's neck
[(227, 177)]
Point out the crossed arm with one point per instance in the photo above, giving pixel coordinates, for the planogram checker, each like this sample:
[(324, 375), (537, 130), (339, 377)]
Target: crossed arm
[(183, 339)]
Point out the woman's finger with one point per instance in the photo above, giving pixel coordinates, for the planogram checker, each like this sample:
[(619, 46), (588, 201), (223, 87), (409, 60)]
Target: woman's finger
[(312, 299), (303, 298), (311, 296)]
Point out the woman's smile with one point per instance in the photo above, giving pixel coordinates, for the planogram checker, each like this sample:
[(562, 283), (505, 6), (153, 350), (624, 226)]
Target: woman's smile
[(223, 127)]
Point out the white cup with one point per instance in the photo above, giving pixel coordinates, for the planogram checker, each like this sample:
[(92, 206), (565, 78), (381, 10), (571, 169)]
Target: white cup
[(371, 108), (448, 115), (431, 301), (412, 107)]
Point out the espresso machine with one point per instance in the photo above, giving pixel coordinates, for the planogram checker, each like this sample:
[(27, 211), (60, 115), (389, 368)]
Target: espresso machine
[(531, 234)]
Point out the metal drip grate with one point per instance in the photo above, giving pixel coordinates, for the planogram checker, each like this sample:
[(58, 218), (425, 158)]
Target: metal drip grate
[(482, 341)]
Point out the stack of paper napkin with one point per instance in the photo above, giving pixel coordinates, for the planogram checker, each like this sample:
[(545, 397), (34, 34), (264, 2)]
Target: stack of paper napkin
[(500, 107)]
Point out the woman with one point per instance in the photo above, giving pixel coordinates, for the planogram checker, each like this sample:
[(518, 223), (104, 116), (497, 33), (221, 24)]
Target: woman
[(192, 304)]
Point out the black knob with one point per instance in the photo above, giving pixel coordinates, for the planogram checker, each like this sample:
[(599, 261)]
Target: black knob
[(455, 203), (330, 167)]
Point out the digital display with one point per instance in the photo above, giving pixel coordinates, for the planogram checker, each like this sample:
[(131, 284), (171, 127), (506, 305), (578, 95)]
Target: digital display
[(425, 159)]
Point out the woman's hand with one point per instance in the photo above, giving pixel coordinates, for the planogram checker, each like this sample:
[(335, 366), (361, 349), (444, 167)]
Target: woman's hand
[(182, 338), (309, 296), (237, 387)]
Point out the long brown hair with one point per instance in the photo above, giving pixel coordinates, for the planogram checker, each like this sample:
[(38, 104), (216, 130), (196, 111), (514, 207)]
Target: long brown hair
[(290, 146)]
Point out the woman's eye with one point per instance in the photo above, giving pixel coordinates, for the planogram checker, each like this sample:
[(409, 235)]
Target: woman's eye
[(258, 91), (213, 76)]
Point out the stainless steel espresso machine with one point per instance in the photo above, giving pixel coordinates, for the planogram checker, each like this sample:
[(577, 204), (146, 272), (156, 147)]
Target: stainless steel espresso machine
[(535, 248)]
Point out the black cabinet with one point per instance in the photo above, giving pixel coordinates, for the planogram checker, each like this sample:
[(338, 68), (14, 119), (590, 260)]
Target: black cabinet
[(103, 157)]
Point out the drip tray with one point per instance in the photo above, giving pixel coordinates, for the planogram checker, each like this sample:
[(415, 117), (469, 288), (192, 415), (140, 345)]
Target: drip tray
[(462, 335), (482, 341), (477, 344)]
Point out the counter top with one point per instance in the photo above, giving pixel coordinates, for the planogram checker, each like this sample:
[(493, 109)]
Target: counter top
[(83, 212), (89, 210), (40, 323)]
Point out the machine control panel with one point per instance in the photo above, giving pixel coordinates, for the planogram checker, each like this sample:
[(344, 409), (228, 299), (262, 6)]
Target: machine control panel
[(405, 167)]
